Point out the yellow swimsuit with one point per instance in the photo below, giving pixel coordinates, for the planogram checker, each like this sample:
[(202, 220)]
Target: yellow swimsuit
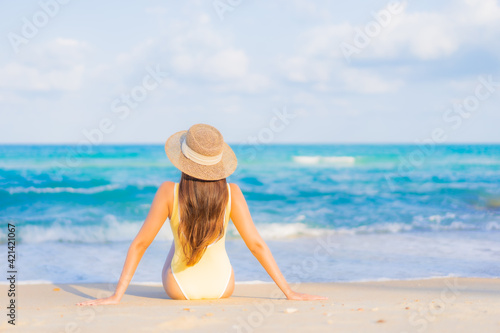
[(209, 277)]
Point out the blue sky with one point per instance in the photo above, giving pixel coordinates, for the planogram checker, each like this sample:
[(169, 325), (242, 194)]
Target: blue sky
[(240, 66)]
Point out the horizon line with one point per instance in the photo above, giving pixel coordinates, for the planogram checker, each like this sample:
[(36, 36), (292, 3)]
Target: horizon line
[(254, 144)]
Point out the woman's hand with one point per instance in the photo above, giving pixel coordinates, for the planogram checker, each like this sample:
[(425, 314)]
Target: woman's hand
[(101, 301), (295, 296)]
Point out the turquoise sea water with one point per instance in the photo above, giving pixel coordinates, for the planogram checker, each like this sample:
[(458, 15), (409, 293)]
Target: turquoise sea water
[(328, 212)]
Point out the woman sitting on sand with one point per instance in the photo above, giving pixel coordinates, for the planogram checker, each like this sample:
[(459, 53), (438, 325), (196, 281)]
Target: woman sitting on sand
[(197, 266)]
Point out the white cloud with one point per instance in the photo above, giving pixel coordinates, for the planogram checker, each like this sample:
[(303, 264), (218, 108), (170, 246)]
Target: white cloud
[(202, 52), (334, 75), (137, 53), (156, 10), (214, 65), (226, 64), (250, 83), (366, 81), (311, 105), (421, 34), (480, 12), (433, 35), (310, 8), (56, 65), (303, 68), (183, 63), (324, 39), (217, 66), (57, 53), (429, 35), (20, 77)]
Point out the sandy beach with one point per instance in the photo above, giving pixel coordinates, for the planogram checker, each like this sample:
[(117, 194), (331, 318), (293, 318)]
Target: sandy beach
[(431, 305)]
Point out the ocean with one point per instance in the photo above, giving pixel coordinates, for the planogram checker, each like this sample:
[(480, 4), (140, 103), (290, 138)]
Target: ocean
[(328, 212)]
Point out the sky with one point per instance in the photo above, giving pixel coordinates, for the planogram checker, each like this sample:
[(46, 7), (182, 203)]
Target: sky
[(282, 71)]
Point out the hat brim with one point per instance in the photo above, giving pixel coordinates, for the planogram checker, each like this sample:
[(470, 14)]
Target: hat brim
[(221, 170)]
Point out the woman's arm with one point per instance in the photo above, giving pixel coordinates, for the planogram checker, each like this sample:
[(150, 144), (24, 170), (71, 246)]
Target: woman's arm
[(243, 222), (157, 215)]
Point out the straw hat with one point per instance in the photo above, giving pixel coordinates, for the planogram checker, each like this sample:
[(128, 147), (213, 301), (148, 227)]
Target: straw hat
[(201, 153)]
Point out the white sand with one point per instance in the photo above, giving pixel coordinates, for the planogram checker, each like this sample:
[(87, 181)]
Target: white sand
[(434, 305)]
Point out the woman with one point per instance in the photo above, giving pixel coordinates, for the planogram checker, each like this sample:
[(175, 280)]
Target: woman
[(197, 266)]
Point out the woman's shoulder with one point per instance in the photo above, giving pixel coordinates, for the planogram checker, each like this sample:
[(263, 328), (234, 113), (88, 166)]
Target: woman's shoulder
[(167, 185), (165, 194), (236, 193), (234, 187), (166, 188)]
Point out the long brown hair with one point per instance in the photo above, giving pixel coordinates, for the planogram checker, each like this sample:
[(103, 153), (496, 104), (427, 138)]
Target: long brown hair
[(201, 204)]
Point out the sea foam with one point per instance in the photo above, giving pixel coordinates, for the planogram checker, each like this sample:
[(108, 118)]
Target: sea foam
[(114, 230), (90, 190), (328, 160)]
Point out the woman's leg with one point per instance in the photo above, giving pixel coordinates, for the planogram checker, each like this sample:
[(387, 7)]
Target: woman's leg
[(169, 284)]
